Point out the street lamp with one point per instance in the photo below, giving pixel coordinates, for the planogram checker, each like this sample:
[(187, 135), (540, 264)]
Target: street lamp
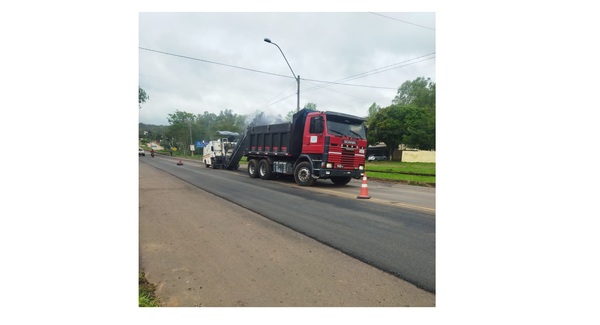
[(293, 74), (191, 143)]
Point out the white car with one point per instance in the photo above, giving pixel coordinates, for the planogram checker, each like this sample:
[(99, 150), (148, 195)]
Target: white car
[(377, 158), (141, 152)]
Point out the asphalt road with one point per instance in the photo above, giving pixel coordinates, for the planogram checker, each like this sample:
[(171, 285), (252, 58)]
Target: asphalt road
[(394, 231), (202, 250)]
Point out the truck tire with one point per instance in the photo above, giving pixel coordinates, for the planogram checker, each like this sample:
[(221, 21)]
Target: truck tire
[(341, 180), (212, 163), (253, 168), (303, 174), (264, 169), (207, 165)]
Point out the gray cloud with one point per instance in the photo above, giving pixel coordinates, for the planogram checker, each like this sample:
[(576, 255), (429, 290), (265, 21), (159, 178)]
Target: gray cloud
[(246, 74)]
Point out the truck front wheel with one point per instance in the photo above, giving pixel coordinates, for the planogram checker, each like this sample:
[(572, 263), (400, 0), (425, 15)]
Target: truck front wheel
[(303, 174), (341, 180), (253, 168)]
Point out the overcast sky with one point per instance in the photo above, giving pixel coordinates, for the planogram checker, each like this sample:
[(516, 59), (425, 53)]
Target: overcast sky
[(197, 62)]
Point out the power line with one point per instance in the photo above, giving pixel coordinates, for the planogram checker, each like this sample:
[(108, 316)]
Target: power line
[(402, 21), (360, 75), (326, 83), (285, 90), (374, 71), (254, 70), (368, 73), (284, 98), (339, 92), (344, 84), (218, 63)]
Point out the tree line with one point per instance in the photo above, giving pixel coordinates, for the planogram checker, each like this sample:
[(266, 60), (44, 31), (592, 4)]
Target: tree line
[(409, 120), (186, 128)]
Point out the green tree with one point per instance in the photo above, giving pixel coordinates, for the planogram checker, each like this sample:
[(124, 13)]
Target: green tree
[(290, 115), (149, 132), (182, 127), (228, 121), (202, 126), (143, 97), (408, 125), (388, 126), (207, 123), (372, 111), (420, 128), (309, 106), (417, 98), (419, 93)]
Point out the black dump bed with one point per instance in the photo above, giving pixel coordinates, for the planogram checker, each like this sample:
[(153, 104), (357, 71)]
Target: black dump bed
[(273, 139), (282, 139)]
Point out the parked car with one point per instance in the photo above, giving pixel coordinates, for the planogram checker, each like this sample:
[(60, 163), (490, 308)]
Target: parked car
[(141, 152), (377, 158)]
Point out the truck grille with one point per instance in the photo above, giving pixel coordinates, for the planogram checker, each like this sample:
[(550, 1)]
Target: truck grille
[(342, 160), (348, 159)]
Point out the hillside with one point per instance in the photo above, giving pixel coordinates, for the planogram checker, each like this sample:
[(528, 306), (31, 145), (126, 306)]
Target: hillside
[(157, 129)]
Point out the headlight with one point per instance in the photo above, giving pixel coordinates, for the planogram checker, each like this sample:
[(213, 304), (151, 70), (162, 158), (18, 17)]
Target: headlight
[(329, 165), (361, 167)]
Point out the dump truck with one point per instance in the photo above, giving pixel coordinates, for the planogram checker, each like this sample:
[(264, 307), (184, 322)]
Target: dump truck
[(314, 145)]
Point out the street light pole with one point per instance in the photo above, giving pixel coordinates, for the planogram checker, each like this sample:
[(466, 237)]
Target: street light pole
[(190, 120), (293, 74)]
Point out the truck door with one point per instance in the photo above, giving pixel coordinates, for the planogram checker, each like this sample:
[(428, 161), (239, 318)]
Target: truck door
[(313, 135)]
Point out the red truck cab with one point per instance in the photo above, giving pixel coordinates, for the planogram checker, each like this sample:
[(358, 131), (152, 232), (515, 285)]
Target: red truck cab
[(341, 142)]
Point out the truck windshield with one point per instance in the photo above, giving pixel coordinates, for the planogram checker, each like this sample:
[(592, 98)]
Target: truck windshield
[(345, 127)]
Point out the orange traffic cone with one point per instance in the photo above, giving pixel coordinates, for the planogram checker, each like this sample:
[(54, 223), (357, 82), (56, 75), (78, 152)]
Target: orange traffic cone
[(179, 163), (364, 188)]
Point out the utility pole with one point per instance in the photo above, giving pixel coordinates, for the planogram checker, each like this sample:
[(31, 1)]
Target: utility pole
[(191, 143), (293, 74)]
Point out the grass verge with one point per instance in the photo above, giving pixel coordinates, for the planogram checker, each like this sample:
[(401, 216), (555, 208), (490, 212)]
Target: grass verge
[(147, 298), (404, 172), (422, 174)]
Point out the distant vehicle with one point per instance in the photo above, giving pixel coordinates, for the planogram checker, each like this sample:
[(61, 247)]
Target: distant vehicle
[(141, 152), (217, 152), (377, 158)]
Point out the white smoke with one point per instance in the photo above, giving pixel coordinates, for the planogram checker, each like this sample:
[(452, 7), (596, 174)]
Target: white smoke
[(265, 118)]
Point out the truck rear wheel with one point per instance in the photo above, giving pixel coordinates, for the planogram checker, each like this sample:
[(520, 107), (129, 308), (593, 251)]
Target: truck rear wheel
[(264, 169), (253, 168), (303, 174)]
